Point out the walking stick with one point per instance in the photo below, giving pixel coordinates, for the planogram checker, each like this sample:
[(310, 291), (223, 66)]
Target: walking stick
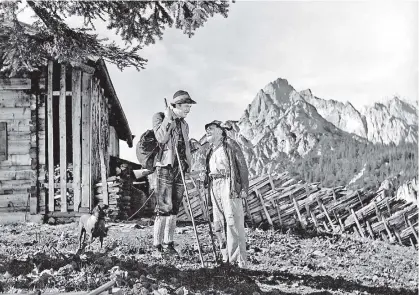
[(190, 207), (189, 203), (209, 225)]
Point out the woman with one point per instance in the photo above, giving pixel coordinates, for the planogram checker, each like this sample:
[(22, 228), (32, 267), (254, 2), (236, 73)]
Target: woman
[(227, 182)]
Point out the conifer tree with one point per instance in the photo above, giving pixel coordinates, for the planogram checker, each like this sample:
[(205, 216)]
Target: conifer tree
[(137, 23)]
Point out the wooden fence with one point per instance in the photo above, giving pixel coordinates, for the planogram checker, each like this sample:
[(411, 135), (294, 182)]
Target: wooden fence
[(278, 200)]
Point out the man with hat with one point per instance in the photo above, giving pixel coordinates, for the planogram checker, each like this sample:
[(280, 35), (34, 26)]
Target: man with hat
[(227, 183), (171, 131)]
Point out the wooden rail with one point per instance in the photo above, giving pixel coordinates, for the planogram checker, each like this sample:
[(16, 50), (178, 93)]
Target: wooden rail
[(280, 201)]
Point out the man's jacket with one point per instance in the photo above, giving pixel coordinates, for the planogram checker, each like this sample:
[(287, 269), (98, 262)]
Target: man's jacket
[(239, 174), (163, 131)]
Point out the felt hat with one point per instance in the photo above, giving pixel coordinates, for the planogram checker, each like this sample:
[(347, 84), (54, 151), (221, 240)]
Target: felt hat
[(219, 124), (181, 97)]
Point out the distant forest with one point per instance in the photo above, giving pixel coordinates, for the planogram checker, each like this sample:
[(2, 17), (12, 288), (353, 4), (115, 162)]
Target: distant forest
[(335, 163)]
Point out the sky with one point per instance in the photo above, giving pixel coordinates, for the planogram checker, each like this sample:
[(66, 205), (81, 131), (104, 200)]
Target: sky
[(357, 51)]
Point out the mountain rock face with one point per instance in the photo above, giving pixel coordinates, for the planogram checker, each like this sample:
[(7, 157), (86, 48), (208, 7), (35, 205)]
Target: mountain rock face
[(392, 122), (267, 107), (342, 115), (282, 124)]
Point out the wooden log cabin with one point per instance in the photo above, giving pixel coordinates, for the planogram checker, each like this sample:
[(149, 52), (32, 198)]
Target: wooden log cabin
[(58, 130)]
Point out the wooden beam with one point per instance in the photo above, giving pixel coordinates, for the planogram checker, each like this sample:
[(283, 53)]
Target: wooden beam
[(14, 98), (186, 209), (201, 199), (297, 210), (411, 242), (4, 142), (50, 139), (413, 229), (359, 197), (63, 140), (15, 184), (314, 218), (278, 211), (325, 226), (86, 96), (103, 175), (386, 227), (370, 231), (399, 239), (388, 207), (15, 84), (85, 68), (15, 113), (358, 224), (377, 210), (327, 215), (341, 224), (356, 231), (103, 170), (336, 218), (268, 217), (103, 288), (14, 200), (76, 124), (58, 93), (271, 181), (6, 174)]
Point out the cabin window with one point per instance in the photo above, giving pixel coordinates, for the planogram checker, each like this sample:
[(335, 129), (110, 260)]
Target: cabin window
[(3, 141)]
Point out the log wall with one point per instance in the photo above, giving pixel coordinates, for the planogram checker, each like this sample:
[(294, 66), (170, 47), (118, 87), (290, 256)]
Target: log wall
[(55, 140), (16, 173)]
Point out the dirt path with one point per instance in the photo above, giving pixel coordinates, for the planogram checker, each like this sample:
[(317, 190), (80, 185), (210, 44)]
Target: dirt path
[(42, 257)]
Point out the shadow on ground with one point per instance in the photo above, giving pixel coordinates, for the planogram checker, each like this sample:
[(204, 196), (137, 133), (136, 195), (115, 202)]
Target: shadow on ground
[(229, 280)]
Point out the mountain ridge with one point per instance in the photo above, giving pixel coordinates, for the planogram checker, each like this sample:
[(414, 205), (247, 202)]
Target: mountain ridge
[(282, 126)]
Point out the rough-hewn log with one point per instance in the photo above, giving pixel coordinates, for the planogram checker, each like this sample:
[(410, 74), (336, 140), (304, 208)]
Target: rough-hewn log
[(50, 138), (15, 84), (14, 99), (86, 96), (76, 108), (63, 139)]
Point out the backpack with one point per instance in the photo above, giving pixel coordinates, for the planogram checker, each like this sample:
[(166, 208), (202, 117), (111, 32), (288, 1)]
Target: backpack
[(147, 149)]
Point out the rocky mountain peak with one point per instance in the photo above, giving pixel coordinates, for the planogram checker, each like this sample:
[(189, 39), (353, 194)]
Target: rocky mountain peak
[(281, 124), (403, 110), (281, 93), (393, 121)]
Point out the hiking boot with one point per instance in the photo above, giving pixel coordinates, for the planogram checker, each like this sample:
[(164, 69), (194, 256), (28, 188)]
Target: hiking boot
[(158, 251), (224, 255), (170, 249), (241, 264)]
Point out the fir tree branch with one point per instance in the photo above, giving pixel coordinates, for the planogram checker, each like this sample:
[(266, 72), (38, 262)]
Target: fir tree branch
[(136, 22)]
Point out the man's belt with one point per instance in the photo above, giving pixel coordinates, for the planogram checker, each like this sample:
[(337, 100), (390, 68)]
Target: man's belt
[(217, 176)]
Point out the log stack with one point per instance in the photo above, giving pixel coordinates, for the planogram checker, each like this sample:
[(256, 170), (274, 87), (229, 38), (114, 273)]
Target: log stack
[(119, 190)]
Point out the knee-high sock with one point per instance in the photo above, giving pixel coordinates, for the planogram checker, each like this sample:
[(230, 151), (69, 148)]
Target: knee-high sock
[(159, 227), (169, 230)]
